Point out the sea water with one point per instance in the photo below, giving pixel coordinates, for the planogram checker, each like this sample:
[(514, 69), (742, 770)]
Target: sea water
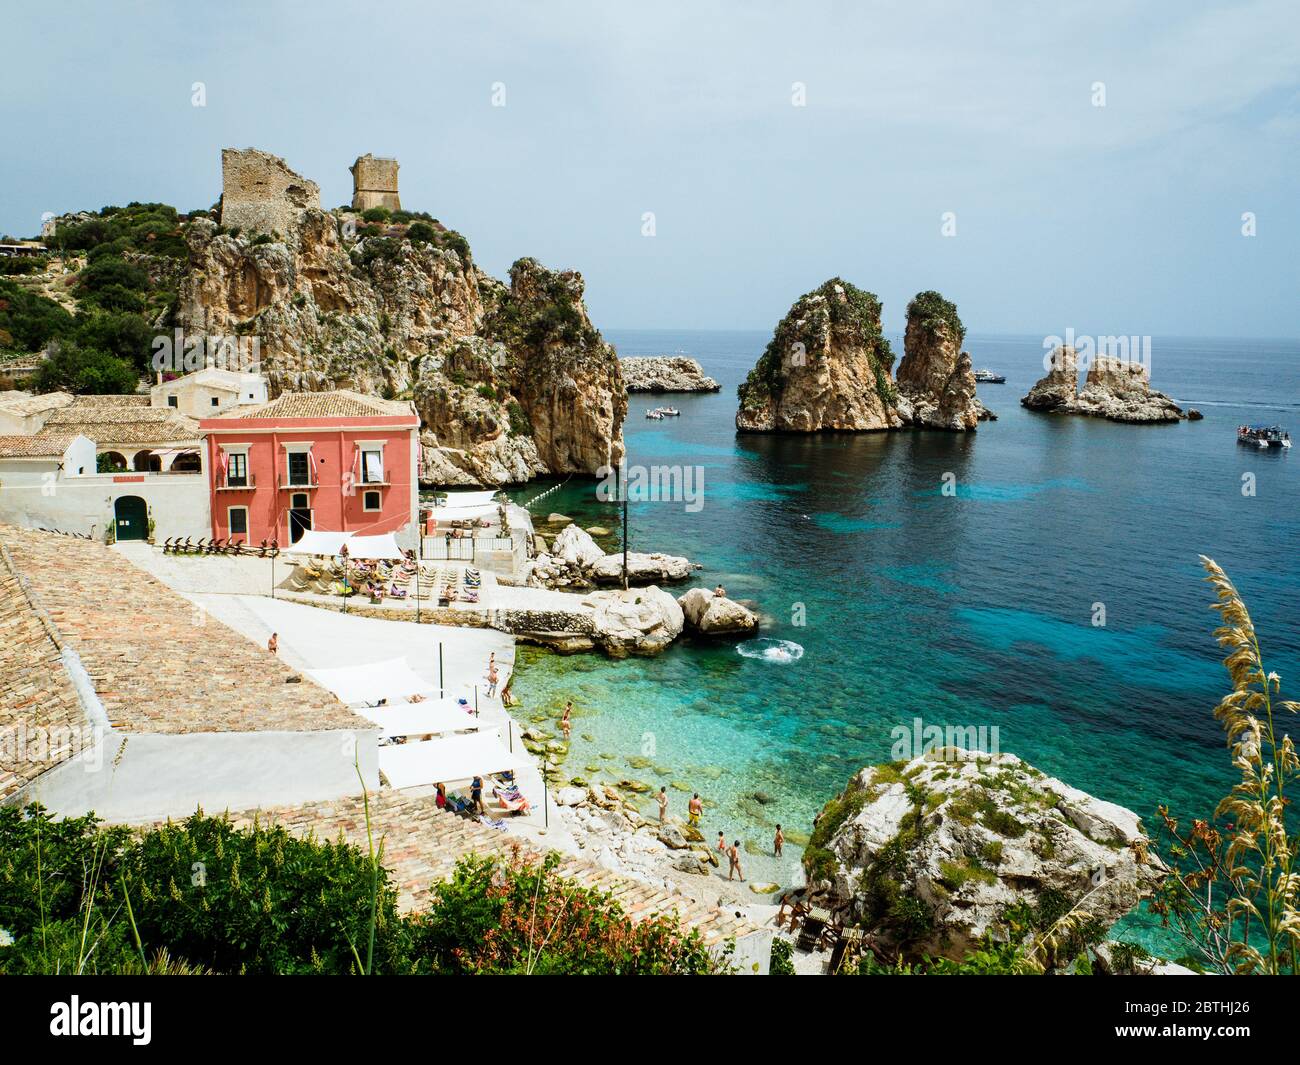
[(1039, 576)]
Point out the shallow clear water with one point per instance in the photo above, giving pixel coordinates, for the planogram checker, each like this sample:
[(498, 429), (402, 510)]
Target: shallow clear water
[(973, 608)]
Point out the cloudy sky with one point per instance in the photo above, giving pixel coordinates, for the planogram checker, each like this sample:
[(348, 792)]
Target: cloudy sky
[(1116, 219)]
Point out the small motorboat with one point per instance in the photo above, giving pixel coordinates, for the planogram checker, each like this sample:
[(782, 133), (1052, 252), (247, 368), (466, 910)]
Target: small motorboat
[(990, 378), (663, 412), (1263, 436), (655, 414)]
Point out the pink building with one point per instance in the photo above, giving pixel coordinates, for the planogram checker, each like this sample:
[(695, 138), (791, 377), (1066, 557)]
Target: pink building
[(335, 461)]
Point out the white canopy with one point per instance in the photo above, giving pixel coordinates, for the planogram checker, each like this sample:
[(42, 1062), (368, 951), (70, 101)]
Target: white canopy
[(418, 719), (466, 499), (393, 680), (445, 760), (446, 514), (314, 542), (381, 546)]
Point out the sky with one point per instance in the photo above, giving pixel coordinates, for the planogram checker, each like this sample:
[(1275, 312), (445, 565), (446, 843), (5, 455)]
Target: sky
[(775, 145)]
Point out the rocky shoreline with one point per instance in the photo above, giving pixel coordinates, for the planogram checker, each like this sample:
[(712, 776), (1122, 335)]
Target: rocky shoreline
[(665, 373), (1118, 390)]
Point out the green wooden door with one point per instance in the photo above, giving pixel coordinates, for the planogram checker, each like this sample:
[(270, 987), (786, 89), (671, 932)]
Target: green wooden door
[(131, 518)]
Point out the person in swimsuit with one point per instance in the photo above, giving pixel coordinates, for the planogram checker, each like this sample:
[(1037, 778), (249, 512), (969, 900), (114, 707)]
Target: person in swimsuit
[(273, 643), (694, 809), (662, 800), (778, 842), (492, 677), (566, 725), (476, 795), (442, 797), (733, 855), (721, 845)]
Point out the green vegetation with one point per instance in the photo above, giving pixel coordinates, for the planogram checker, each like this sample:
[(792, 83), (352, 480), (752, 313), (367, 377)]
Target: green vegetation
[(932, 311), (1233, 886), (78, 897)]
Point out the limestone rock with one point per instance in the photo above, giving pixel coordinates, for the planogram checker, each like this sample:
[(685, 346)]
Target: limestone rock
[(671, 837), (570, 796), (715, 615), (1116, 389), (575, 547), (826, 367), (1058, 388), (640, 621), (642, 568), (511, 381), (666, 373), (995, 833), (689, 863), (935, 379)]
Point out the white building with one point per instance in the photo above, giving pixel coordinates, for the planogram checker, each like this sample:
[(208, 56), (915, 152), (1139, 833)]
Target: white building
[(209, 392)]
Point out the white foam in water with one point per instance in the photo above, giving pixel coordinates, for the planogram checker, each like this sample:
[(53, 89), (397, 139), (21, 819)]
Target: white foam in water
[(770, 650)]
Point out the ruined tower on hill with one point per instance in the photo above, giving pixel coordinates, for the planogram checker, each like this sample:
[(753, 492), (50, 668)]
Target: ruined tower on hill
[(374, 183), (260, 194)]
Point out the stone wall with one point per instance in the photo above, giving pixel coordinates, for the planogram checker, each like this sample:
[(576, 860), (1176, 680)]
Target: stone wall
[(260, 194), (374, 183)]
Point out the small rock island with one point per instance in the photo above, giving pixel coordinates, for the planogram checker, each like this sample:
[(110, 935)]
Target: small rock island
[(666, 373), (1116, 389)]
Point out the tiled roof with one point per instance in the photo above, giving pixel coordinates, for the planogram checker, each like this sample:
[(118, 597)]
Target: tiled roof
[(337, 404), (422, 845), (136, 400), (34, 447), (122, 424), (158, 665), (41, 720), (15, 401)]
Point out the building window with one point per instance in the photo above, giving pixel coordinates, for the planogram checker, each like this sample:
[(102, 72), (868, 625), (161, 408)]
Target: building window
[(215, 400), (372, 501), (300, 501), (238, 518), (299, 468), (172, 402), (237, 470), (372, 467)]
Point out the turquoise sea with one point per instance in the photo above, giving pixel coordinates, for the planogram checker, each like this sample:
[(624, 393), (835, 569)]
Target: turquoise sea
[(973, 607)]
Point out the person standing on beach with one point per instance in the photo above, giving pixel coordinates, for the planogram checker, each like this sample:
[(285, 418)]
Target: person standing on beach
[(476, 795), (733, 855), (273, 643), (694, 809), (721, 845), (492, 677), (778, 843), (662, 800), (566, 724)]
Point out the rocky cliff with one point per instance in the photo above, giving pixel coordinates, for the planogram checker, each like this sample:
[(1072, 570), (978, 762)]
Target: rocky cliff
[(935, 380), (826, 367), (931, 855), (666, 373), (1116, 389), (511, 381)]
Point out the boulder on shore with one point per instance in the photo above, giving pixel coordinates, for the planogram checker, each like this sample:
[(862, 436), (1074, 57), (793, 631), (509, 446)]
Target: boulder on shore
[(994, 833), (640, 621), (707, 614), (642, 568)]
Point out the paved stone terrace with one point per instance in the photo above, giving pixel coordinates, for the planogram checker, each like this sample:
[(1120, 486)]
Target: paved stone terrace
[(37, 701), (157, 663), (422, 845)]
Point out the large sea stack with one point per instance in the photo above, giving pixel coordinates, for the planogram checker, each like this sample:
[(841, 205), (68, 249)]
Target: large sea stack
[(510, 381), (935, 380), (826, 367)]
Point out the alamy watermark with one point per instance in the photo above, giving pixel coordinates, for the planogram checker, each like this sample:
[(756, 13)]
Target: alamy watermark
[(655, 484), (955, 743), (1124, 350)]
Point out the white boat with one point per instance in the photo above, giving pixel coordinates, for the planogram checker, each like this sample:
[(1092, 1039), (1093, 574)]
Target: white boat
[(989, 377), (1263, 436)]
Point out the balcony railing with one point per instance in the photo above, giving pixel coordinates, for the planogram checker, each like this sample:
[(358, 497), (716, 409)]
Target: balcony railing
[(298, 487), (237, 484)]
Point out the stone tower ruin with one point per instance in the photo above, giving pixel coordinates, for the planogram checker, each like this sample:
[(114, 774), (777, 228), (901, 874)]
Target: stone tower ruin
[(374, 183), (260, 194)]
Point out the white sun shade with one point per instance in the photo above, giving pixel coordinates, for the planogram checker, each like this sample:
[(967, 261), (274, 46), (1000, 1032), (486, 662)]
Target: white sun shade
[(465, 499), (393, 680), (315, 542), (448, 760), (437, 716), (381, 546)]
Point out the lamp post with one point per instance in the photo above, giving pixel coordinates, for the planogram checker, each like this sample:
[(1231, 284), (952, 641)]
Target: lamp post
[(343, 550)]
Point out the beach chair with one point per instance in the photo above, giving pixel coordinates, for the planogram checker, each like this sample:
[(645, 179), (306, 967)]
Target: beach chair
[(812, 927), (847, 947)]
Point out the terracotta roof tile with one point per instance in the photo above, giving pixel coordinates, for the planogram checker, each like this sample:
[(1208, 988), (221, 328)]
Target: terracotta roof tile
[(43, 445), (337, 404)]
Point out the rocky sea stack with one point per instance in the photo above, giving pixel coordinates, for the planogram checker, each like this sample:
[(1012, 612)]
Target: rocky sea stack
[(510, 381), (666, 373), (828, 367), (1116, 389), (933, 855)]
